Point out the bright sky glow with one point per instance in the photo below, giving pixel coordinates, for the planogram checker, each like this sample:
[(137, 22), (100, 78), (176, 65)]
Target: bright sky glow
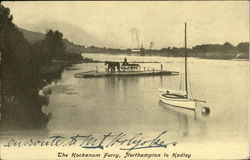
[(109, 23)]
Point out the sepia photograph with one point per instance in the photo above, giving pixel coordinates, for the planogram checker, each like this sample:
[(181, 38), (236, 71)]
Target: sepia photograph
[(117, 80)]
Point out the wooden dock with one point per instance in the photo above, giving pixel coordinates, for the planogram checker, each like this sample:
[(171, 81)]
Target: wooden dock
[(96, 74)]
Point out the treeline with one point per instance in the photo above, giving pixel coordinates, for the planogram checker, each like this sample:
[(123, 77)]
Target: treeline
[(51, 47), (225, 51), (213, 51), (21, 76), (20, 59), (216, 51)]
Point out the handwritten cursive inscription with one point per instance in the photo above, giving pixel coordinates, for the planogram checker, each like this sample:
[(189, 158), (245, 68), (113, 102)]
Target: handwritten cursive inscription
[(121, 140)]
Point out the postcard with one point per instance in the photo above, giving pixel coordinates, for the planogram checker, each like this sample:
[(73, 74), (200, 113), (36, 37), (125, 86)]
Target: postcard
[(94, 80)]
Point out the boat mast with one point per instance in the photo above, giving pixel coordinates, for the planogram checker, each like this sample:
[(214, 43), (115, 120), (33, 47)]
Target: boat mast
[(186, 86)]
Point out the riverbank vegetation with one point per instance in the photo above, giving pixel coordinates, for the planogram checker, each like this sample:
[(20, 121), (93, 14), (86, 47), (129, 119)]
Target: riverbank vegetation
[(25, 69), (208, 51)]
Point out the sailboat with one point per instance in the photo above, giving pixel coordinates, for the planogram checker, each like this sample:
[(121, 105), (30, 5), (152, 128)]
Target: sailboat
[(179, 98)]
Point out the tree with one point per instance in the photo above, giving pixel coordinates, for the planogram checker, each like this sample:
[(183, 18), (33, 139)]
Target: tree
[(20, 78), (18, 63), (54, 45), (243, 47), (228, 47)]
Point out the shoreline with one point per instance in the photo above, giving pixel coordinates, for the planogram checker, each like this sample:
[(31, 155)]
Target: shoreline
[(208, 58), (58, 64)]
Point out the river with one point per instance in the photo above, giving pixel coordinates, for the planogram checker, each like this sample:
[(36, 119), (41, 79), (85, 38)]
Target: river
[(131, 104)]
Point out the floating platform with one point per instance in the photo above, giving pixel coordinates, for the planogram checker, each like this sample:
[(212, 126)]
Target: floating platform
[(96, 74)]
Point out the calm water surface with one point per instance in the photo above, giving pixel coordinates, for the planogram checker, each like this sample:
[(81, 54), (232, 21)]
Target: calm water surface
[(131, 104)]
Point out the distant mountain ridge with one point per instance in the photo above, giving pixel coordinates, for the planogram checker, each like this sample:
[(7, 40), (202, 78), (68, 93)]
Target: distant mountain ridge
[(209, 51), (33, 37)]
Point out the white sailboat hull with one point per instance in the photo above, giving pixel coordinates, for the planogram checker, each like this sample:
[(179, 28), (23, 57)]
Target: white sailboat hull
[(180, 102), (179, 98)]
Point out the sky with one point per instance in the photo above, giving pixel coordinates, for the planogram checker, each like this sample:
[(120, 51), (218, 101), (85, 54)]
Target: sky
[(119, 24)]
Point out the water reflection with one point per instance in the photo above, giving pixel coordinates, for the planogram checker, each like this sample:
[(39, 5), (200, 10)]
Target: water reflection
[(185, 119), (24, 111), (120, 84)]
